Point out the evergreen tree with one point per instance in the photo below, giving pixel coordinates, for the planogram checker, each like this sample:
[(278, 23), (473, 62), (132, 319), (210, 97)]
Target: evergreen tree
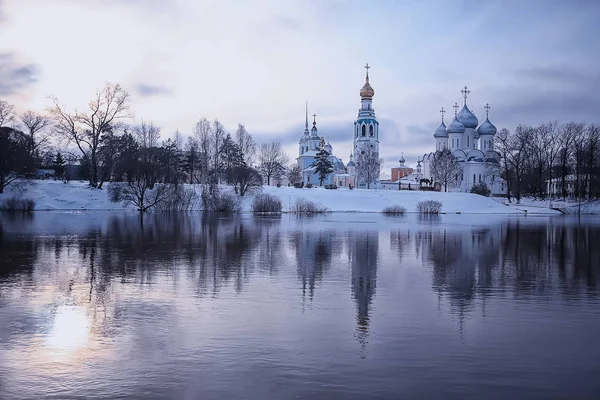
[(59, 165), (323, 167)]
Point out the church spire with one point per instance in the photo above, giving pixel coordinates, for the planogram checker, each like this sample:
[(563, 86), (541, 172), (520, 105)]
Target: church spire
[(306, 121)]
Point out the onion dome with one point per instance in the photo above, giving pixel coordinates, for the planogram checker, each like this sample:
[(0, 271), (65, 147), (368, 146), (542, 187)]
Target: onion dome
[(455, 127), (440, 132), (467, 118), (367, 91), (402, 160), (487, 128), (304, 138), (351, 162)]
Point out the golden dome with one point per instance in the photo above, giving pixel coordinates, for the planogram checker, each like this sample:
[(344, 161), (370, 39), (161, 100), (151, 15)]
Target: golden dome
[(367, 91)]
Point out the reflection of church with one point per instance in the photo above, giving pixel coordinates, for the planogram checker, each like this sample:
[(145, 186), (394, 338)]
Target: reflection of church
[(363, 251)]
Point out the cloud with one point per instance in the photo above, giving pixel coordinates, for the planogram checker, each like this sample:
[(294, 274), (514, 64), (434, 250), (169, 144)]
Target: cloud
[(15, 76), (149, 90)]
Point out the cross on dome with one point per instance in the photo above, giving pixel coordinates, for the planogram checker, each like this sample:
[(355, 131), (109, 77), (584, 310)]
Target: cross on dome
[(442, 111), (487, 109), (314, 119), (465, 93), (455, 109), (367, 68)]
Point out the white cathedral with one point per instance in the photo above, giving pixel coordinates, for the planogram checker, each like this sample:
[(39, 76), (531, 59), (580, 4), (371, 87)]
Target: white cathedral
[(473, 147), (366, 135)]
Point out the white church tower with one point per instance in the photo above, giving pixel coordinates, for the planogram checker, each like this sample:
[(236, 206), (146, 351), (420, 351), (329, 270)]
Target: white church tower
[(366, 129)]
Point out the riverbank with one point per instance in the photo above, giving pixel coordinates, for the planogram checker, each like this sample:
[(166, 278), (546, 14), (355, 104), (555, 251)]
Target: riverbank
[(55, 195)]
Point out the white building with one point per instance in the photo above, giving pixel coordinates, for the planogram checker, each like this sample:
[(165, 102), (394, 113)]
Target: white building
[(308, 148), (365, 137), (473, 147)]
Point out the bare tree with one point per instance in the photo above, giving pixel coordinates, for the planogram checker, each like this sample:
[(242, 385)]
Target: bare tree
[(202, 135), (246, 143), (294, 174), (368, 166), (85, 129), (445, 168), (35, 126), (218, 135), (567, 136), (7, 113), (147, 134), (271, 160)]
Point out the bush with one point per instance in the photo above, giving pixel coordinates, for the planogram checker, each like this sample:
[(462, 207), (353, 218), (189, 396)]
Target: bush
[(429, 207), (309, 207), (266, 203), (223, 202), (394, 210), (309, 185), (481, 189), (140, 194), (184, 198), (14, 204), (332, 186), (299, 185)]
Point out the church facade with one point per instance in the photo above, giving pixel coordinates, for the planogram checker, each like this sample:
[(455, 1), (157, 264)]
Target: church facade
[(473, 146), (365, 148)]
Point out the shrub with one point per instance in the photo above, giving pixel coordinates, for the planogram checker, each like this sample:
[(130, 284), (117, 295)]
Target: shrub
[(223, 202), (266, 203), (184, 198), (309, 207), (429, 207), (140, 194), (309, 185), (299, 185), (332, 186), (394, 210), (481, 189), (14, 204)]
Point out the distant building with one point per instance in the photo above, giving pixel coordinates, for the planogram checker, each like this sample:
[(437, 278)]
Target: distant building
[(473, 147), (366, 135)]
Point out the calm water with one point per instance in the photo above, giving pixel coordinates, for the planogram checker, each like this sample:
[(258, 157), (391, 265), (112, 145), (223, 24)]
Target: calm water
[(349, 306)]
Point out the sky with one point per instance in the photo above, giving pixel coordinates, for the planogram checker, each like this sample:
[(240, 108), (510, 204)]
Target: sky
[(257, 62)]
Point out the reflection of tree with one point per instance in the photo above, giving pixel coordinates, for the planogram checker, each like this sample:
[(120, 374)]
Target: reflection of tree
[(313, 251), (363, 252)]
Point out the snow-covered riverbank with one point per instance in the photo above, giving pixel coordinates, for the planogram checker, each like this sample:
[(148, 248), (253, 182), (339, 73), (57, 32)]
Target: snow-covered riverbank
[(54, 195)]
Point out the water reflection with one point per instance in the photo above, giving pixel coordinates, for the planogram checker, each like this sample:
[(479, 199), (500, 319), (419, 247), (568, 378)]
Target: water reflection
[(151, 291)]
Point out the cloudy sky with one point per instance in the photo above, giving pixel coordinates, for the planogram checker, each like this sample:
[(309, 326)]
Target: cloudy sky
[(257, 61)]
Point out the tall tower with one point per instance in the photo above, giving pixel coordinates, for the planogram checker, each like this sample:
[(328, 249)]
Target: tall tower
[(366, 133)]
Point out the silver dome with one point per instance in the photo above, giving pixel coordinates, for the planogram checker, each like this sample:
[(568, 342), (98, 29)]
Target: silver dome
[(487, 128), (455, 127), (440, 132), (467, 118)]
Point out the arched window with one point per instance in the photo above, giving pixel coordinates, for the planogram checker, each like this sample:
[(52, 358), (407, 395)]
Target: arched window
[(364, 130), (302, 150), (467, 141), (371, 130), (356, 131)]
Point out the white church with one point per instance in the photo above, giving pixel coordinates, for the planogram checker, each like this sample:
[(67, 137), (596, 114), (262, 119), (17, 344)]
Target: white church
[(366, 134), (473, 146)]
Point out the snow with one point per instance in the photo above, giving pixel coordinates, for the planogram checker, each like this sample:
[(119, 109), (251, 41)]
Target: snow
[(55, 195), (568, 206)]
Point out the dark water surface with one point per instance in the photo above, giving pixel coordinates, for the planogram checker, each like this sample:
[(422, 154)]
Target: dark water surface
[(349, 306)]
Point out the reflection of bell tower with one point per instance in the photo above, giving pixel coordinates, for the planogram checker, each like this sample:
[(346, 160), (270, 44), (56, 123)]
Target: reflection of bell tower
[(314, 252), (363, 248)]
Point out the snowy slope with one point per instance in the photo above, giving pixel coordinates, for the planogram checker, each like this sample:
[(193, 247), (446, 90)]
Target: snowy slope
[(55, 195)]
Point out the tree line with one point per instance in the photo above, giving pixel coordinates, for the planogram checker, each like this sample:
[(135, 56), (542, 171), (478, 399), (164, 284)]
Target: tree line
[(108, 148), (566, 154)]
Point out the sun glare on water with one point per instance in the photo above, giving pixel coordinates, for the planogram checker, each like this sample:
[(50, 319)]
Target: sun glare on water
[(70, 330)]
